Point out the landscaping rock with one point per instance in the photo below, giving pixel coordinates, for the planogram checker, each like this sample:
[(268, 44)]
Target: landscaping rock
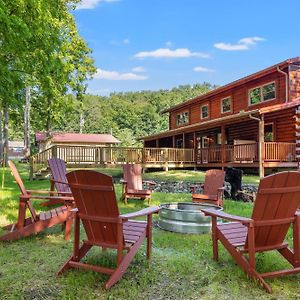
[(246, 194)]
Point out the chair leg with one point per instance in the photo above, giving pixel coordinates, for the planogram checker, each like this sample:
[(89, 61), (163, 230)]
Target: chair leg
[(215, 239), (122, 267), (82, 252), (149, 236)]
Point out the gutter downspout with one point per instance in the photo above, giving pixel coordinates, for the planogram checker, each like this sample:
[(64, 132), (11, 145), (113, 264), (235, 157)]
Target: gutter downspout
[(286, 84), (260, 143)]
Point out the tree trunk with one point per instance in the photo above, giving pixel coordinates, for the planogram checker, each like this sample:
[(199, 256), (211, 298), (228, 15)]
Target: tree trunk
[(1, 135), (81, 122), (27, 123), (48, 120), (5, 133)]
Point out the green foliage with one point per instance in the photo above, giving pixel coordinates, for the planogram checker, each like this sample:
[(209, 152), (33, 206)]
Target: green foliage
[(128, 116), (41, 48)]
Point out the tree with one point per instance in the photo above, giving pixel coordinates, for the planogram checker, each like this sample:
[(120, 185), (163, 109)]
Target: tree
[(40, 43)]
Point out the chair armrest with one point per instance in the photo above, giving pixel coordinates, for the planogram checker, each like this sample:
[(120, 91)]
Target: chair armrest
[(223, 215), (140, 213), (221, 192), (48, 192), (37, 197)]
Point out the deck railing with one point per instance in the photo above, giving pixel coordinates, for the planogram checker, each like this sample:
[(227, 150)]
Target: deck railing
[(279, 151), (162, 157), (272, 151), (89, 155)]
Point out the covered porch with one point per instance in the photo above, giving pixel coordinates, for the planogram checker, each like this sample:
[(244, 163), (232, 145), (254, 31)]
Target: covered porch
[(261, 138)]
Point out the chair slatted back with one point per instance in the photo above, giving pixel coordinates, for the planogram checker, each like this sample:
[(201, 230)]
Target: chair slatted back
[(58, 172), (95, 197), (22, 188), (133, 176), (214, 179), (278, 198)]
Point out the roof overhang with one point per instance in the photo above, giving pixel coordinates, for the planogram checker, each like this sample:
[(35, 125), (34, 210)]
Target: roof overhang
[(203, 125), (242, 115)]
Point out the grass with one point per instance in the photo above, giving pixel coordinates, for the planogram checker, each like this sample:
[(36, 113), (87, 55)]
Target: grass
[(175, 175), (181, 266)]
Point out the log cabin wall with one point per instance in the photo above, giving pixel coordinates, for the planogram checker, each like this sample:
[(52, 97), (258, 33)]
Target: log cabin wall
[(242, 131), (283, 124), (239, 100)]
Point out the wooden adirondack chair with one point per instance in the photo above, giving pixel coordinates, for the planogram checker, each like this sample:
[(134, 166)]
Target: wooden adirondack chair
[(59, 181), (274, 211), (96, 202), (213, 188), (36, 222), (133, 183)]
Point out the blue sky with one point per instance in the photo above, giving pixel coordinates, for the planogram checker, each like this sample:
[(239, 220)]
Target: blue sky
[(159, 44)]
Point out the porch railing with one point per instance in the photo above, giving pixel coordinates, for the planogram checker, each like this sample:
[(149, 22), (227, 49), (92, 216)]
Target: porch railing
[(280, 151), (273, 151), (88, 155)]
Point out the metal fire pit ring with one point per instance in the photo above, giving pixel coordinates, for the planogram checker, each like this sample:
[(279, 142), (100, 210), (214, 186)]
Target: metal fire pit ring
[(185, 217)]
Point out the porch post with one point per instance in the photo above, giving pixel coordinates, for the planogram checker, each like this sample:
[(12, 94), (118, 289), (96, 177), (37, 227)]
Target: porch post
[(223, 151), (195, 151), (183, 140), (157, 143), (173, 140), (261, 139)]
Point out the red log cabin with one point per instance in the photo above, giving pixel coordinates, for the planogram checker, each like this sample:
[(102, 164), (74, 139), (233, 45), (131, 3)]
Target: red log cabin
[(251, 122)]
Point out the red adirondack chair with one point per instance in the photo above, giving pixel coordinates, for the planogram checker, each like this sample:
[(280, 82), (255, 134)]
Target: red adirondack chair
[(213, 188), (36, 222), (274, 211), (133, 183), (59, 181), (96, 202)]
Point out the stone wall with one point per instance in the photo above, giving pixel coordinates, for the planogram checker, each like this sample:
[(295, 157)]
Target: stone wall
[(247, 194)]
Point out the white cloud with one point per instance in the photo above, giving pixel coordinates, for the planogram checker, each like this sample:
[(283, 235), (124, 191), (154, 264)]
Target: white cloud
[(114, 75), (242, 44), (90, 4), (203, 69), (138, 69), (168, 53), (119, 43)]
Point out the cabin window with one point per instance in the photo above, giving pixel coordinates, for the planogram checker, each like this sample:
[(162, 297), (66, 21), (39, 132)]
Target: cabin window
[(226, 105), (268, 91), (263, 93), (204, 111), (182, 118), (269, 132)]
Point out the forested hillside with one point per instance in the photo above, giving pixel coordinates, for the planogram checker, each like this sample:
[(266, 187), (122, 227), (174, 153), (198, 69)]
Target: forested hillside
[(127, 115)]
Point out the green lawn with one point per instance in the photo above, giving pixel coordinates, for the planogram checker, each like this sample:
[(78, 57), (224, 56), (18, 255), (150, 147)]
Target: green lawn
[(175, 175), (181, 266)]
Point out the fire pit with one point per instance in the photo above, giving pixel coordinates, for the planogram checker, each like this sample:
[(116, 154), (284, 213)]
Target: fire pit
[(184, 217)]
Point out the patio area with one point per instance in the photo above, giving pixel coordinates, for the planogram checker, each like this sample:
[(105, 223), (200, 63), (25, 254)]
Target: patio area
[(181, 266)]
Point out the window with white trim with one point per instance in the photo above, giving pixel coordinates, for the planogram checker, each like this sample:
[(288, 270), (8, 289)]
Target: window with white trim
[(226, 105), (204, 111), (182, 118), (262, 93)]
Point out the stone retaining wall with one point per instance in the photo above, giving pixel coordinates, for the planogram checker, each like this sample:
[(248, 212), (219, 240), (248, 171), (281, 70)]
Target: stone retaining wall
[(185, 187)]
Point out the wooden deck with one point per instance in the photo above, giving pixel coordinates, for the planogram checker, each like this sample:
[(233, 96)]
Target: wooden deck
[(275, 154)]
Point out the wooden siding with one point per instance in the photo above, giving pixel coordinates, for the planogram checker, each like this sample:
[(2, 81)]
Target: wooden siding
[(239, 96), (284, 124)]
